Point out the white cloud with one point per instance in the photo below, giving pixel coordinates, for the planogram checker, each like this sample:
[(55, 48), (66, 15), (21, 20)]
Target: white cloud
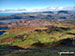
[(57, 8), (49, 9), (3, 10), (21, 9), (38, 10), (69, 8), (11, 10)]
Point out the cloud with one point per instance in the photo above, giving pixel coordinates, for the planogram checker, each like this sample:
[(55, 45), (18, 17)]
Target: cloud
[(11, 10), (38, 10), (56, 8), (49, 9), (69, 8), (3, 10), (21, 9)]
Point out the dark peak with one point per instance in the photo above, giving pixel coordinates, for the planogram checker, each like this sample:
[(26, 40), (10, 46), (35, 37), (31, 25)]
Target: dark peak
[(63, 11), (48, 12)]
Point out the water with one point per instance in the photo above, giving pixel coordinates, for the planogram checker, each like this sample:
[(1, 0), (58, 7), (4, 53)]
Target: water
[(11, 13), (4, 28), (1, 32), (7, 21), (10, 21), (6, 14)]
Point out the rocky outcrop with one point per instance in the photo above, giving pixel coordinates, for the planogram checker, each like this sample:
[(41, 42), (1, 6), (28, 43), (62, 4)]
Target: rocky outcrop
[(32, 23)]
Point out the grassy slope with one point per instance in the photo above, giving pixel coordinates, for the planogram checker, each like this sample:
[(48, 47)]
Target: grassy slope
[(44, 37), (48, 36)]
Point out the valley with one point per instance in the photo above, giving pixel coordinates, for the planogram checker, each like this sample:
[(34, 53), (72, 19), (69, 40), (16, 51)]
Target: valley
[(37, 27), (27, 36), (37, 34)]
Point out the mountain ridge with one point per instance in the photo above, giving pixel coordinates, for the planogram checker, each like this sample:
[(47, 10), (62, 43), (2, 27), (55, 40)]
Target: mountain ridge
[(52, 15)]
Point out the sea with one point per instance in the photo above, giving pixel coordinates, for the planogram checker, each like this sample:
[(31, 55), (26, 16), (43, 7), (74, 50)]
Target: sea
[(6, 14), (11, 13)]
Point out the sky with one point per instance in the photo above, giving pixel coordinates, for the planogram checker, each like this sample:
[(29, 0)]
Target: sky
[(34, 4)]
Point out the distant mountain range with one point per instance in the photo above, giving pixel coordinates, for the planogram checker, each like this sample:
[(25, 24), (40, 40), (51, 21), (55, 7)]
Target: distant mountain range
[(52, 15)]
